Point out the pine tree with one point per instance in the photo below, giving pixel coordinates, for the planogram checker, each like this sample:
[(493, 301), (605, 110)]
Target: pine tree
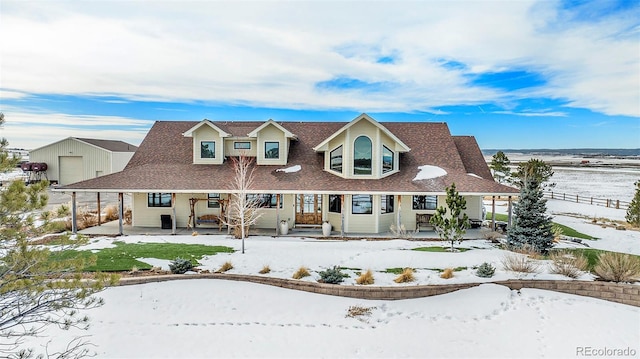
[(500, 167), (36, 291), (633, 212), (535, 170), (531, 223), (451, 226)]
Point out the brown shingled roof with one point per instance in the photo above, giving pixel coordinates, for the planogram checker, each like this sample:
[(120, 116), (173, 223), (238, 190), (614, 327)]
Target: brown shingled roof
[(110, 145), (163, 163)]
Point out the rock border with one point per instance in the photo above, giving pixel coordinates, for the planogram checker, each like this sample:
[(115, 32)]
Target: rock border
[(614, 292)]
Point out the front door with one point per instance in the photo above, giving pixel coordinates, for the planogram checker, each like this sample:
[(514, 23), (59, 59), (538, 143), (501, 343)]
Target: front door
[(308, 209)]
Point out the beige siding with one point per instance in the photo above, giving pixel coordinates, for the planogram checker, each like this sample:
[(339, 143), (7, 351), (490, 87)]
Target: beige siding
[(474, 207), (206, 133), (95, 159), (145, 216), (347, 138), (271, 133), (360, 223), (119, 161), (230, 151)]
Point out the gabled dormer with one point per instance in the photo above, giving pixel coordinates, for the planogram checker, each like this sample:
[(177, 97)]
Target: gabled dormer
[(363, 148), (272, 143), (208, 143)]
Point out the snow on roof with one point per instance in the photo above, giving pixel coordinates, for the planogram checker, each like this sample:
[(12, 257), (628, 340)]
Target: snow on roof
[(291, 169), (474, 175), (428, 172)]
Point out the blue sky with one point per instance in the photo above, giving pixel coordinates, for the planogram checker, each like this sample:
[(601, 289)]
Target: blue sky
[(514, 74)]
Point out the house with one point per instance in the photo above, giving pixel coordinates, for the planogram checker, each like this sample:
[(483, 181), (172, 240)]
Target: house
[(77, 159), (362, 176)]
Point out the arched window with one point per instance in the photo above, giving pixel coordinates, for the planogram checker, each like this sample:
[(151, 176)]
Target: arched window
[(362, 156)]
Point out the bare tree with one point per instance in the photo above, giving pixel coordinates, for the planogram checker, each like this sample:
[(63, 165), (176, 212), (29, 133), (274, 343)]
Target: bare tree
[(243, 207)]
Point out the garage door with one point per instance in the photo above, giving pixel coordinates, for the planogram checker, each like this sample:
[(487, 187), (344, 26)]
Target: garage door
[(71, 169)]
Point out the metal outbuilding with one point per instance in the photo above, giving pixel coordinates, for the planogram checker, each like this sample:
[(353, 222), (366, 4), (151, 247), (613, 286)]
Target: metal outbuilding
[(77, 159)]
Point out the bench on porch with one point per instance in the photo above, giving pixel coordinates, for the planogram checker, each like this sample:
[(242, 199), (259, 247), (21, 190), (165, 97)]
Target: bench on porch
[(423, 220), (210, 218)]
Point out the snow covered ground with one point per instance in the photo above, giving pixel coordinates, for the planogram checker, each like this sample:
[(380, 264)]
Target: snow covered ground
[(216, 318)]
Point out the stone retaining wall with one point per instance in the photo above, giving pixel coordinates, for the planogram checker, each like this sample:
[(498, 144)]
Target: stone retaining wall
[(614, 292)]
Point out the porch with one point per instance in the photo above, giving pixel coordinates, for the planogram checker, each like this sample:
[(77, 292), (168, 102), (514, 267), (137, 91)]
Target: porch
[(112, 228)]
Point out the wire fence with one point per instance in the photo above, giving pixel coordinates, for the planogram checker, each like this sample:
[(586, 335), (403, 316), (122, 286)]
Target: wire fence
[(576, 198)]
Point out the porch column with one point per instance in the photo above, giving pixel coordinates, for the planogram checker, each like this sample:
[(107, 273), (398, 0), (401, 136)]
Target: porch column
[(74, 214), (277, 214), (510, 213), (173, 213), (342, 215), (99, 214), (398, 220), (120, 213), (493, 213)]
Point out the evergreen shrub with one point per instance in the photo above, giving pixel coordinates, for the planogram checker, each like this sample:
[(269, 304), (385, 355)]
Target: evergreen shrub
[(180, 266)]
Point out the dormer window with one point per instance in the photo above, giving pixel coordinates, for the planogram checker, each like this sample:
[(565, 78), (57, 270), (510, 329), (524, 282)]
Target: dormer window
[(207, 149), (387, 159), (336, 159), (362, 156), (272, 150)]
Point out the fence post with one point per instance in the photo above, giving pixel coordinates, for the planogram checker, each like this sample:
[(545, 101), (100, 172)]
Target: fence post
[(617, 204), (591, 200), (564, 196), (577, 199), (551, 194)]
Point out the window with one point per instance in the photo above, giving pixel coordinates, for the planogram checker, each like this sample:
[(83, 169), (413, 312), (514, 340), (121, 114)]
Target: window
[(242, 145), (213, 200), (266, 200), (361, 204), (159, 200), (387, 159), (425, 202), (272, 150), (335, 204), (207, 149), (336, 159), (362, 156), (386, 204)]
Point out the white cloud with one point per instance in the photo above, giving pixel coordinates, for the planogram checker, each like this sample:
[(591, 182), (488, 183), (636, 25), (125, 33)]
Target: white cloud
[(29, 131), (273, 53)]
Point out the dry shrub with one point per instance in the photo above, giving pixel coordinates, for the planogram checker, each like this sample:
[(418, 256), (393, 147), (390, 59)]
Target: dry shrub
[(265, 269), (110, 213), (519, 263), (365, 278), (526, 249), (492, 236), (406, 276), (127, 216), (225, 267), (617, 267), (358, 312), (86, 219), (301, 273), (447, 273), (557, 232), (194, 233), (568, 264)]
